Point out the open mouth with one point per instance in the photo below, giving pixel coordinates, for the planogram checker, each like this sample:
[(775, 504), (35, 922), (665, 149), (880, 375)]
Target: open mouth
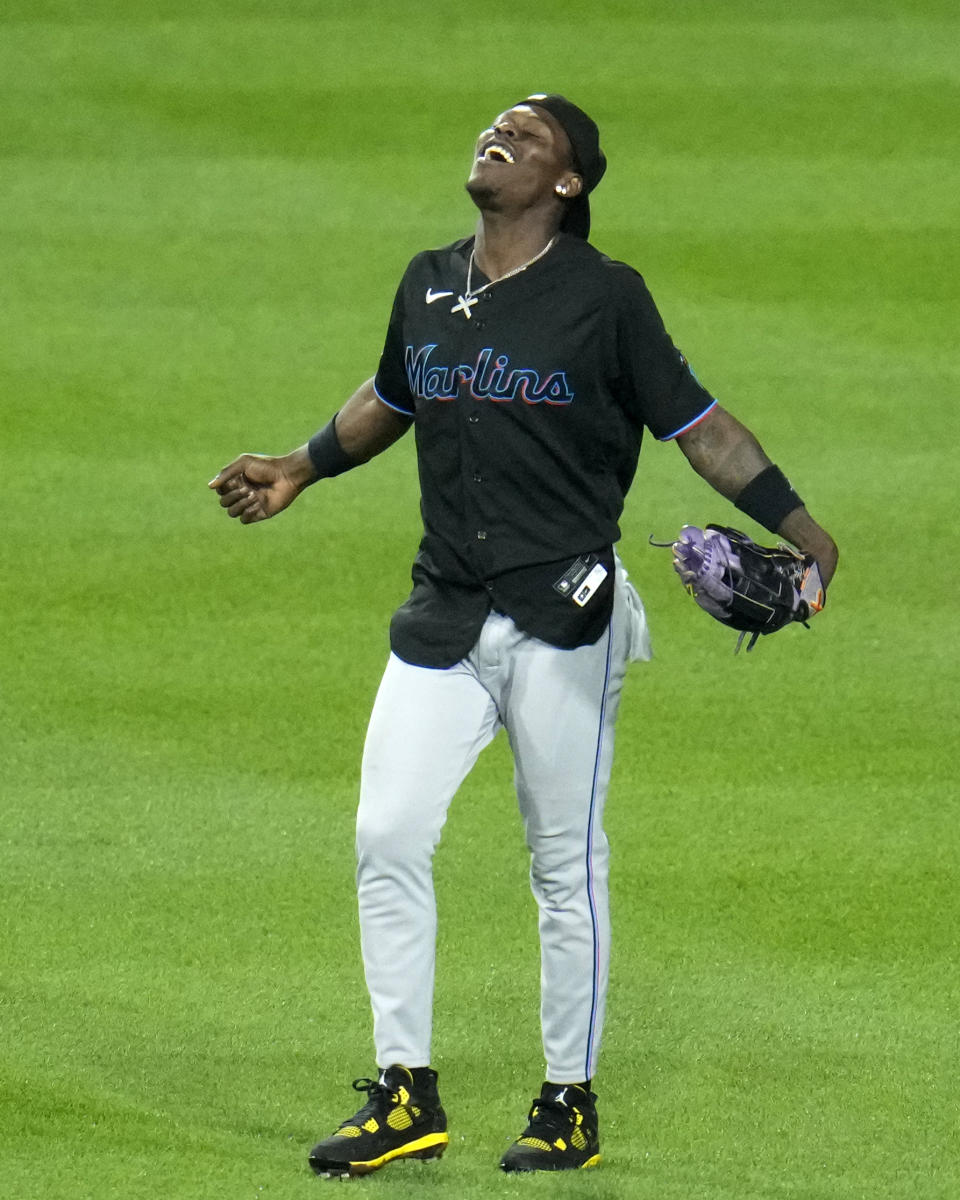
[(496, 152)]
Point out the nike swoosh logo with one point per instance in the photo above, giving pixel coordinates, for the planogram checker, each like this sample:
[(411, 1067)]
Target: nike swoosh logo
[(432, 295)]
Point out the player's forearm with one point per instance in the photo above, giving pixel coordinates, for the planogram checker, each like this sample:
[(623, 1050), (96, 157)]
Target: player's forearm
[(363, 428), (728, 456), (366, 426)]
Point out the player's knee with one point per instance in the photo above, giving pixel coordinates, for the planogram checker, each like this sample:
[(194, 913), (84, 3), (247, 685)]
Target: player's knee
[(392, 836), (559, 891), (560, 874)]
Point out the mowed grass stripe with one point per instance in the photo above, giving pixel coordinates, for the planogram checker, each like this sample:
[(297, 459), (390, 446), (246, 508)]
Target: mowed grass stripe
[(202, 220)]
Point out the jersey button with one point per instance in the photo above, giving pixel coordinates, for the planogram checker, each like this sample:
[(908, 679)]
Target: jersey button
[(473, 418), (477, 477), (481, 535)]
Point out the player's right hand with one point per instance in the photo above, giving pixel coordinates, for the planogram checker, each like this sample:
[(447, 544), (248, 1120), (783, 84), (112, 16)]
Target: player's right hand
[(255, 487)]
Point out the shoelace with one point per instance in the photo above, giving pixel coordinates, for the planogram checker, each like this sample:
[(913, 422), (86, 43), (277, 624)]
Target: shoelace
[(548, 1115), (378, 1096)]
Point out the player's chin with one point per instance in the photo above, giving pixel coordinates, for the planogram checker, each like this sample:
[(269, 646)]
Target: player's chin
[(483, 192)]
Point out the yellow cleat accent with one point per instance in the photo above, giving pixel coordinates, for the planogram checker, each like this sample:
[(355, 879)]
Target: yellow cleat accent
[(400, 1120), (432, 1145)]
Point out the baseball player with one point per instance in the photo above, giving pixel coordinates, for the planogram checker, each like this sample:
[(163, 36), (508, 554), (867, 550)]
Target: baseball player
[(529, 365)]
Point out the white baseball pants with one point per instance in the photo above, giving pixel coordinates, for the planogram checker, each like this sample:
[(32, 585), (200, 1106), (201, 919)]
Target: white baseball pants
[(426, 732)]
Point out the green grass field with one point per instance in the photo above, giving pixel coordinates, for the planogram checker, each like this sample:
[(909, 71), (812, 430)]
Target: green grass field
[(204, 210)]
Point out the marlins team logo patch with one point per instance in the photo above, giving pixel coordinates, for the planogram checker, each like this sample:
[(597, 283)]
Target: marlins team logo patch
[(491, 377)]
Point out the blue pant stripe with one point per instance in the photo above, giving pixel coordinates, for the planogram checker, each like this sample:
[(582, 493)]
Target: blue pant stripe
[(591, 1032)]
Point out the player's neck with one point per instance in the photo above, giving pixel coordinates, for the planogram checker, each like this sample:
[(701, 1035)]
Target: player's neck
[(505, 243)]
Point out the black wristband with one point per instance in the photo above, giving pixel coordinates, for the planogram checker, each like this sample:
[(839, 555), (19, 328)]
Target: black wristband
[(768, 498), (326, 453)]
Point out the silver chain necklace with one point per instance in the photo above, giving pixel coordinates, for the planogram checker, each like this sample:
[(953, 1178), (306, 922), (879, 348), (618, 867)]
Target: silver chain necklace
[(469, 299)]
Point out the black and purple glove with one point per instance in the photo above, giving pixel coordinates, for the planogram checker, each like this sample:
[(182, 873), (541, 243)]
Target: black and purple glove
[(755, 589)]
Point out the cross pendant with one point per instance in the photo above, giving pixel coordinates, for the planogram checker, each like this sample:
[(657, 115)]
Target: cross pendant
[(465, 303)]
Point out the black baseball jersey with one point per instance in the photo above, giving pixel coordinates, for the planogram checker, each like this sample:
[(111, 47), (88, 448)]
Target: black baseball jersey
[(529, 404)]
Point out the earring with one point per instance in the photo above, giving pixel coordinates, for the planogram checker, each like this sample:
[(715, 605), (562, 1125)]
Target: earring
[(561, 191)]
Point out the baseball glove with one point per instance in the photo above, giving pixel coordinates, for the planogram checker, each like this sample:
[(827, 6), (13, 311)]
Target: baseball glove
[(754, 589)]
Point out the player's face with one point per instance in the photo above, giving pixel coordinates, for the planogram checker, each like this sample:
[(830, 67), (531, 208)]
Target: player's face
[(522, 156)]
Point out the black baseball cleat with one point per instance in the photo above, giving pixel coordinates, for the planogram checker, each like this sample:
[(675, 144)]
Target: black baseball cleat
[(562, 1134), (401, 1119)]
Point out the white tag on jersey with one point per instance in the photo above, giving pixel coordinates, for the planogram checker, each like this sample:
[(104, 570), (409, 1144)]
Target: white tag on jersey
[(590, 585)]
